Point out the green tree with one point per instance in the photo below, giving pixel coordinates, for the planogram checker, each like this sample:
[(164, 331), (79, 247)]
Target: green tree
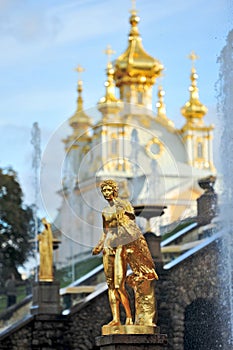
[(16, 224)]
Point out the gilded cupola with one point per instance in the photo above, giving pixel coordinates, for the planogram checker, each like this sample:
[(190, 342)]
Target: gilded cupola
[(135, 67), (80, 121), (194, 110), (109, 105)]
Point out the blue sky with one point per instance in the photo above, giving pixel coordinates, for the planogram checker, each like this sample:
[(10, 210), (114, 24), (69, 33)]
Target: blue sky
[(43, 41)]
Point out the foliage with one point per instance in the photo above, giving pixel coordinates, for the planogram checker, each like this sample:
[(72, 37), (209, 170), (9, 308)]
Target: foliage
[(16, 223), (20, 295)]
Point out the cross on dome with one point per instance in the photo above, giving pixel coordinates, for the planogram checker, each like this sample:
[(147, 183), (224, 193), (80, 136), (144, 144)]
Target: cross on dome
[(193, 57), (133, 10), (109, 52), (80, 70), (133, 5)]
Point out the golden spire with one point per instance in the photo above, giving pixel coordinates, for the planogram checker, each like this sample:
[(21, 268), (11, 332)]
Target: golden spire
[(109, 52), (80, 121), (109, 84), (80, 70), (135, 65), (194, 110), (134, 20), (161, 116), (193, 57), (109, 101)]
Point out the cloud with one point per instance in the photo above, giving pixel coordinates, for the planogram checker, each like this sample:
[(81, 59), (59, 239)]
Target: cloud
[(42, 41), (25, 30), (26, 23), (80, 23)]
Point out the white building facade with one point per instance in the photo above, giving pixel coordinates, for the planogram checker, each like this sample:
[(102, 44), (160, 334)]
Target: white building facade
[(154, 162)]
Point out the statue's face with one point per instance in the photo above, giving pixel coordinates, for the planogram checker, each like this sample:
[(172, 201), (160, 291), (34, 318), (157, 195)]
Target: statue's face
[(108, 192)]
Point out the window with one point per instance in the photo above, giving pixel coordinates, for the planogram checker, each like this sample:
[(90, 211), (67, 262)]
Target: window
[(140, 97), (200, 149)]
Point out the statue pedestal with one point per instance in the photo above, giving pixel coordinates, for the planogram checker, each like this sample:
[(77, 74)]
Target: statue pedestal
[(155, 341), (45, 298), (129, 329)]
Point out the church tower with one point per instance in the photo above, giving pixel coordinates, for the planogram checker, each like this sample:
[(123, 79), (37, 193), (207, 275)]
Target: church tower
[(135, 70), (196, 136), (109, 132), (78, 143)]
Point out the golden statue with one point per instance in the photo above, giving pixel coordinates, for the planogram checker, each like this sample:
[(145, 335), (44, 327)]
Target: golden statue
[(46, 252), (122, 243)]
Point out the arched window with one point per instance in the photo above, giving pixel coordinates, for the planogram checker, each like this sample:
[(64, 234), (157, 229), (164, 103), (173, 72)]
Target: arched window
[(200, 149), (140, 97), (114, 146)]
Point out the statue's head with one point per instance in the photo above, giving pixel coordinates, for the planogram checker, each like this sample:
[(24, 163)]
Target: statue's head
[(109, 189)]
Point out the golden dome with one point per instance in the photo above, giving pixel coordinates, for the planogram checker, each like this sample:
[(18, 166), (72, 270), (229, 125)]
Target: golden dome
[(79, 118), (194, 110), (109, 104), (80, 121), (135, 65)]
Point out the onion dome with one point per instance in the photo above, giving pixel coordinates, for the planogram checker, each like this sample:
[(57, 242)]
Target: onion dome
[(135, 65), (109, 104), (80, 121), (194, 110)]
